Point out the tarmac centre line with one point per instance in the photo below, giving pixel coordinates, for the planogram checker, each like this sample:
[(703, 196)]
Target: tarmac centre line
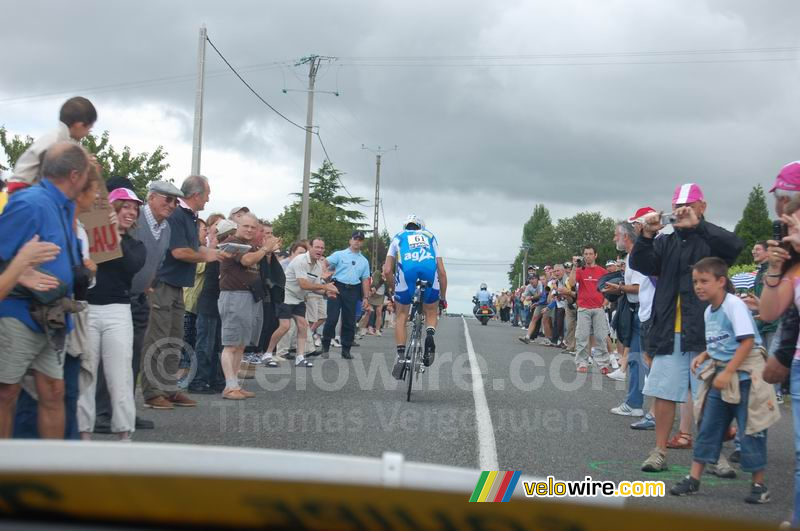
[(487, 447)]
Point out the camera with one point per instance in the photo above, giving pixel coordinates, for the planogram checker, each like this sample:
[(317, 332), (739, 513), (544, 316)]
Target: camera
[(580, 263), (82, 278), (668, 219), (778, 231)]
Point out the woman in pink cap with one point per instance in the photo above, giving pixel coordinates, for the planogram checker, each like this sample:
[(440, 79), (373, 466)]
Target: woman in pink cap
[(110, 334)]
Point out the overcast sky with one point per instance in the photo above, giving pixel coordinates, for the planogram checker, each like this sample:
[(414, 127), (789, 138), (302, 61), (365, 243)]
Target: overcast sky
[(502, 105)]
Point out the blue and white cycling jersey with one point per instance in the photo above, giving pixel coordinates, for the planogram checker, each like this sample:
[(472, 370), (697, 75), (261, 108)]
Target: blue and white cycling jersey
[(416, 252)]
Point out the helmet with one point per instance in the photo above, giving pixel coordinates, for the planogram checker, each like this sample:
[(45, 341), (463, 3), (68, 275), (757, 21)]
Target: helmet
[(483, 285), (413, 219)]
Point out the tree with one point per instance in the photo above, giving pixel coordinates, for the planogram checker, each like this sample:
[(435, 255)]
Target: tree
[(586, 228), (537, 234), (13, 148), (324, 187), (141, 169), (324, 220), (384, 239), (755, 224)]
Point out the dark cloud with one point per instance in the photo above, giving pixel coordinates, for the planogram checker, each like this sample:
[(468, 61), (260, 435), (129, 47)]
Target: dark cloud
[(563, 133)]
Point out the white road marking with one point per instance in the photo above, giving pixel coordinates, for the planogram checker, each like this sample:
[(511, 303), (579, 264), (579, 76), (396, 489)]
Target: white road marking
[(487, 447)]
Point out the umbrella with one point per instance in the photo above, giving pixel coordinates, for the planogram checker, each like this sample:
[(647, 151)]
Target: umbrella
[(744, 281)]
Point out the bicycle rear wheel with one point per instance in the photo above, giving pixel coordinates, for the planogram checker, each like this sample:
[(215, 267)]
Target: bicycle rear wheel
[(410, 368)]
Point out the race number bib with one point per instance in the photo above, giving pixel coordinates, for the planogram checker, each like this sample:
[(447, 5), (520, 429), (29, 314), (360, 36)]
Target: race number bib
[(415, 241)]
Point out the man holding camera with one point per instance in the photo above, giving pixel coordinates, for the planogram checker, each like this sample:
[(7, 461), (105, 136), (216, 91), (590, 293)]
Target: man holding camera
[(591, 316), (677, 332), (47, 210)]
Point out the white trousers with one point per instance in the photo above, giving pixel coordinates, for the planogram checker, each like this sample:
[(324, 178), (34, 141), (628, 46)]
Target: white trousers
[(110, 337)]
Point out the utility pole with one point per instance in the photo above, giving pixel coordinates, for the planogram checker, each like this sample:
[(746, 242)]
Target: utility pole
[(313, 66), (197, 137), (375, 234), (526, 247)]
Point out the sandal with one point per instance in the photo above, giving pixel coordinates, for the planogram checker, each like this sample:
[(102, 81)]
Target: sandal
[(304, 363), (680, 441)]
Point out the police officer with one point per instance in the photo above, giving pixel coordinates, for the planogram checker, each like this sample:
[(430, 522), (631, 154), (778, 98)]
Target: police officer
[(351, 277)]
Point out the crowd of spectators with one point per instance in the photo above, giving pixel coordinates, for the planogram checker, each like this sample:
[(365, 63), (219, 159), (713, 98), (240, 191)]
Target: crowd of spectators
[(678, 332), (191, 304)]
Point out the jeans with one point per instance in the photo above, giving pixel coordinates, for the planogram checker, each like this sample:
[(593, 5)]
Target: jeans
[(346, 302), (717, 417), (189, 337), (208, 349), (558, 325), (26, 418), (636, 367), (795, 391)]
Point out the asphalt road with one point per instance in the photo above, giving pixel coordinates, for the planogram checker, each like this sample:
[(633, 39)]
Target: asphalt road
[(545, 419)]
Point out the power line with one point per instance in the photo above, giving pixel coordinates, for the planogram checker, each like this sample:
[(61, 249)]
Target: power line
[(689, 52), (612, 63), (338, 178), (257, 95), (159, 81)]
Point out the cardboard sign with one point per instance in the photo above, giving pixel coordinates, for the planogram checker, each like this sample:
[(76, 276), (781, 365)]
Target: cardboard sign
[(103, 236)]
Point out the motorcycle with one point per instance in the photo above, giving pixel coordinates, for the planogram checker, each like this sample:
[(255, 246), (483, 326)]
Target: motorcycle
[(482, 312)]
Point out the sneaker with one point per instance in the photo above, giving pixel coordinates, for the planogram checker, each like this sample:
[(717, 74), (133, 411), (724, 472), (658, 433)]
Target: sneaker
[(183, 383), (430, 351), (582, 369), (627, 411), (735, 457), (317, 340), (648, 422), (656, 461), (605, 371), (779, 399), (617, 375), (722, 469), (304, 363), (181, 400), (336, 343), (758, 494), (378, 333), (158, 402), (686, 486), (525, 339)]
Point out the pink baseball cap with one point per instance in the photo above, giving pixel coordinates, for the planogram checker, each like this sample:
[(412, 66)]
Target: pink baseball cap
[(642, 212), (123, 194), (788, 178), (687, 193)]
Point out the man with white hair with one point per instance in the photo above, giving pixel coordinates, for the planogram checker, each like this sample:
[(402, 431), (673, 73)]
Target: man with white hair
[(164, 335)]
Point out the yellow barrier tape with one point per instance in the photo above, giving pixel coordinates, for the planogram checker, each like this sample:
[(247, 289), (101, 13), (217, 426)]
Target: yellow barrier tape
[(244, 503)]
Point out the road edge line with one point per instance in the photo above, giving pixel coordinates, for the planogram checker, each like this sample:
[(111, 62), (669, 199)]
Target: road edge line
[(487, 446)]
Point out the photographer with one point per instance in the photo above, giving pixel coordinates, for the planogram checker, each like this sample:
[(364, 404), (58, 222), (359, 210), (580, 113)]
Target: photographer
[(591, 316), (49, 210), (677, 332)]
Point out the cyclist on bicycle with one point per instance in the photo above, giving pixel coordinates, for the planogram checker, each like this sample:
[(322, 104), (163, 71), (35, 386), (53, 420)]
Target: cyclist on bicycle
[(415, 250)]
